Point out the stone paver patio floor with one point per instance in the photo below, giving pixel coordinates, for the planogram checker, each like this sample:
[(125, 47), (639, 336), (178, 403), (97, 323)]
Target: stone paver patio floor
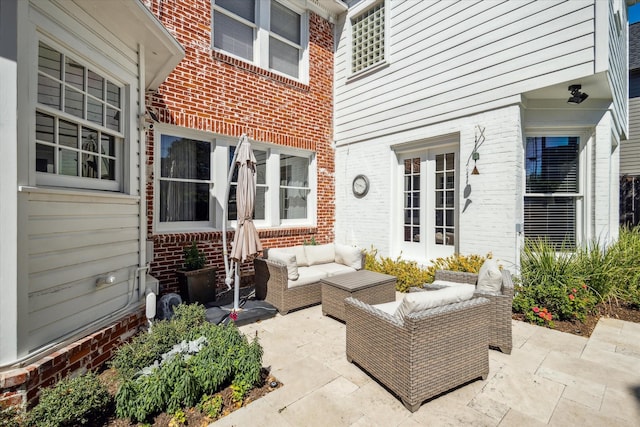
[(551, 378)]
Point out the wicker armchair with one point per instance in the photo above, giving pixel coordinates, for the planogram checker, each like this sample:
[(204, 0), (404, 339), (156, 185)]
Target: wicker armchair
[(501, 305), (271, 276), (425, 353)]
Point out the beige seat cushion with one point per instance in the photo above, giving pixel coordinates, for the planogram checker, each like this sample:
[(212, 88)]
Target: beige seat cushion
[(490, 276), (414, 302), (307, 275), (333, 268)]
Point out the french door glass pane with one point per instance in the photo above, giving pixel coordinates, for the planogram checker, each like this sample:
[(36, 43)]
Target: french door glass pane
[(445, 199)]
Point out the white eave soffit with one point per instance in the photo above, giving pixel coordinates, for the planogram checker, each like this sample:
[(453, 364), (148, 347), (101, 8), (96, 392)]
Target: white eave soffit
[(328, 9), (134, 24)]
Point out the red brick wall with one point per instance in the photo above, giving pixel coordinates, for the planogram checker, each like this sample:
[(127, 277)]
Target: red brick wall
[(21, 386), (212, 92)]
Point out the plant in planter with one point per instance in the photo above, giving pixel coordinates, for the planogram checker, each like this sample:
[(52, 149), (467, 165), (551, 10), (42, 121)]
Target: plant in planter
[(197, 282)]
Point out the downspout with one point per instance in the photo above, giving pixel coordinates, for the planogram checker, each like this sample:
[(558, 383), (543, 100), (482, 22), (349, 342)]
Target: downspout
[(142, 179)]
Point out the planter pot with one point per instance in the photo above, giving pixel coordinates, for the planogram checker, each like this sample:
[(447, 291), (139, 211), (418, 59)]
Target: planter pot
[(198, 285)]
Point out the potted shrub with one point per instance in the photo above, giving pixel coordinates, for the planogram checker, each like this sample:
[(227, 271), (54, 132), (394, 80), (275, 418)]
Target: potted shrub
[(197, 282)]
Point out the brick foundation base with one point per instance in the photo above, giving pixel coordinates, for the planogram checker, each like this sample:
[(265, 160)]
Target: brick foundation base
[(21, 386)]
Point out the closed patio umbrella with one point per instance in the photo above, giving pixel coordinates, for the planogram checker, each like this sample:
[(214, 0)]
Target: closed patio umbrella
[(246, 242)]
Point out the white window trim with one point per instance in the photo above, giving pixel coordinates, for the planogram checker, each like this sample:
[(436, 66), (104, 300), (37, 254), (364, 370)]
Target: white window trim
[(583, 196), (355, 12), (219, 176), (261, 39), (122, 153)]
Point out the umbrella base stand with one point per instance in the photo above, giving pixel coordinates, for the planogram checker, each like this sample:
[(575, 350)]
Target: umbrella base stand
[(251, 311)]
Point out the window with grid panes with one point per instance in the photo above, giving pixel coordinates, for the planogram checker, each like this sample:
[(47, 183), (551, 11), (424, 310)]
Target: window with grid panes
[(78, 123), (367, 38), (552, 191), (239, 28), (411, 200), (445, 199)]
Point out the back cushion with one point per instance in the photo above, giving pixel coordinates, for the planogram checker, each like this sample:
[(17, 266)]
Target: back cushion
[(320, 254), (349, 256), (414, 302), (288, 259), (490, 277), (301, 256)]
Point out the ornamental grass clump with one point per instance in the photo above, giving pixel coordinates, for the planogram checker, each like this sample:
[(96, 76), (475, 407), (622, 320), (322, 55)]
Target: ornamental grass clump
[(552, 281)]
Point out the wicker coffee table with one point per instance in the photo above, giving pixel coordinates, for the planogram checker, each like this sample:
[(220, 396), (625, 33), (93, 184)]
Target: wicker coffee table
[(367, 286)]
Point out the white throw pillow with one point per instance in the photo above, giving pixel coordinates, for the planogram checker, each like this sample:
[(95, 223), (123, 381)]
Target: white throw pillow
[(349, 256), (301, 257), (490, 277), (414, 302), (320, 254), (288, 259)]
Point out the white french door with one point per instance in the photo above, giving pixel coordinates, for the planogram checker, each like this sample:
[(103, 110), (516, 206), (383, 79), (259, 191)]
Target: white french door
[(428, 205)]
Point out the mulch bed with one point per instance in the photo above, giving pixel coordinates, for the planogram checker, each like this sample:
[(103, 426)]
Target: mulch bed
[(613, 310)]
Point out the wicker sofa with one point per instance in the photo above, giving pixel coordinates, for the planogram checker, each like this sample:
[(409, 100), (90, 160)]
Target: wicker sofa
[(422, 354), (290, 277), (500, 335)]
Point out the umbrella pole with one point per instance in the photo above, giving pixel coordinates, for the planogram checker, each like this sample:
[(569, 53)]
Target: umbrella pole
[(228, 279)]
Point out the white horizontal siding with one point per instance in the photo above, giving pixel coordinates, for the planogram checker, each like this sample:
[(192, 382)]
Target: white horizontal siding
[(72, 239), (630, 149), (461, 56), (617, 50)]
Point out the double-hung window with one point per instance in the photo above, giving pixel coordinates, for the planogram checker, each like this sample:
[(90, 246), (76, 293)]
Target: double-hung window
[(191, 173), (266, 33), (552, 199), (368, 47), (78, 124), (294, 187), (185, 182)]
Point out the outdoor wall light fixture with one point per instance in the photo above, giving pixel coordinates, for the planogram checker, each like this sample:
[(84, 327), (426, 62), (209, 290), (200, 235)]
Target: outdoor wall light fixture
[(576, 96), (108, 279), (475, 156)]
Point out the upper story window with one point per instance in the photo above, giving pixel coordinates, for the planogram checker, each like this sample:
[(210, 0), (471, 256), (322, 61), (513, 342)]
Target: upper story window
[(368, 38), (78, 124), (266, 33), (552, 199)]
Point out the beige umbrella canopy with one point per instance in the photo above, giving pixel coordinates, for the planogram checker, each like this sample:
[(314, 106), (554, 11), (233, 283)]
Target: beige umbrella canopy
[(246, 242)]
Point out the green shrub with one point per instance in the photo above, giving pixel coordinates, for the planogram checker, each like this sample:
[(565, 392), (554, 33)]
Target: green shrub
[(210, 405), (144, 349), (409, 273), (71, 402), (194, 259), (11, 417), (225, 357)]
